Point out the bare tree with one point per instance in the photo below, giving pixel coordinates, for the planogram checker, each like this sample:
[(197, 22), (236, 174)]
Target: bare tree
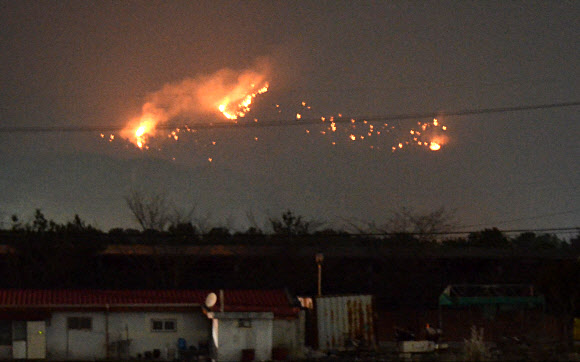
[(252, 221), (182, 215), (203, 222), (293, 225), (164, 261), (152, 211), (425, 226)]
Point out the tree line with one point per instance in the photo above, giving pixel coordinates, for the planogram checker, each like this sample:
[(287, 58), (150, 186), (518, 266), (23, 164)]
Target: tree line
[(395, 263), (158, 225)]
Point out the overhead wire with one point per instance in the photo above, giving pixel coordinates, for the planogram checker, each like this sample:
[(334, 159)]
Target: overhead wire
[(529, 218), (345, 119), (509, 231), (294, 122)]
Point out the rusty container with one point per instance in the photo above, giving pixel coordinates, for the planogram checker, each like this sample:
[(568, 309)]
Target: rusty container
[(345, 322)]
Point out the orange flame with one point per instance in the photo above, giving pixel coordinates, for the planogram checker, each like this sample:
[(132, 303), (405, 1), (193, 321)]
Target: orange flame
[(139, 130), (227, 91), (232, 110)]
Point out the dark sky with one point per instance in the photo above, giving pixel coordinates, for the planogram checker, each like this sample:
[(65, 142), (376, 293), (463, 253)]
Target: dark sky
[(93, 64)]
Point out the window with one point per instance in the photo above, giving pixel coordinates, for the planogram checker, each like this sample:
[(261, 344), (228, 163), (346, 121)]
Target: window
[(244, 323), (84, 323), (163, 325), (5, 333), (19, 330)]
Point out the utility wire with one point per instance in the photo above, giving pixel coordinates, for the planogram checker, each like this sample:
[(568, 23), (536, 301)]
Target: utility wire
[(528, 218), (286, 123), (511, 231)]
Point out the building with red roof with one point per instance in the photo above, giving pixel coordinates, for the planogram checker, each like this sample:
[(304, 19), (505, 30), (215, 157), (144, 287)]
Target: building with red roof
[(160, 324)]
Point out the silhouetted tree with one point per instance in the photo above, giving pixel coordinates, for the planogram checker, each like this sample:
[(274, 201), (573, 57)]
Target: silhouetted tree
[(183, 233), (424, 226), (292, 225), (252, 235), (538, 242), (492, 238), (560, 282), (152, 211), (217, 235), (52, 254), (575, 243)]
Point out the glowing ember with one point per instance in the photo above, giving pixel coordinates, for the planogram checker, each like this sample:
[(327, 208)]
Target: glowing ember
[(434, 146)]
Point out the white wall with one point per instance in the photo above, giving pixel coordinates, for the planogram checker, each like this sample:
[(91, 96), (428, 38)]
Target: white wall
[(232, 339), (290, 334), (194, 327), (62, 343)]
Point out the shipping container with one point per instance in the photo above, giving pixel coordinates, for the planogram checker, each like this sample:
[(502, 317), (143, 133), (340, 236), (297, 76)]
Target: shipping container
[(345, 322)]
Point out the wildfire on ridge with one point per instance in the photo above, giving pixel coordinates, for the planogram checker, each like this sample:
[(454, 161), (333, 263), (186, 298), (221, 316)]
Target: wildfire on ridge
[(233, 100), (232, 110), (139, 131), (228, 92)]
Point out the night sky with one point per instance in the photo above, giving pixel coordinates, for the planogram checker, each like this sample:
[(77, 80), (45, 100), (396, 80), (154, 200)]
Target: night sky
[(71, 64)]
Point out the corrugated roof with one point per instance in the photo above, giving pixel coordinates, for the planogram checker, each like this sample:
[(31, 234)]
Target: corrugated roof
[(490, 294), (234, 300), (35, 297), (275, 301)]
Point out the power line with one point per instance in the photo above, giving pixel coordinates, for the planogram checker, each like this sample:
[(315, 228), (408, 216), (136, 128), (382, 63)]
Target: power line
[(510, 231), (528, 218), (286, 123)]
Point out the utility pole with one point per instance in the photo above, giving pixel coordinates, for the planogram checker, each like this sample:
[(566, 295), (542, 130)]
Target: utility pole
[(319, 259)]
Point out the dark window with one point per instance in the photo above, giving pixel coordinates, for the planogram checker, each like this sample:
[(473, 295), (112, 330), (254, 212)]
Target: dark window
[(19, 330), (80, 323), (5, 333), (163, 325)]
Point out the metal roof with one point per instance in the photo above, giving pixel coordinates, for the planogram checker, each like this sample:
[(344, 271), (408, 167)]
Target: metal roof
[(276, 301), (36, 297), (486, 294)]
